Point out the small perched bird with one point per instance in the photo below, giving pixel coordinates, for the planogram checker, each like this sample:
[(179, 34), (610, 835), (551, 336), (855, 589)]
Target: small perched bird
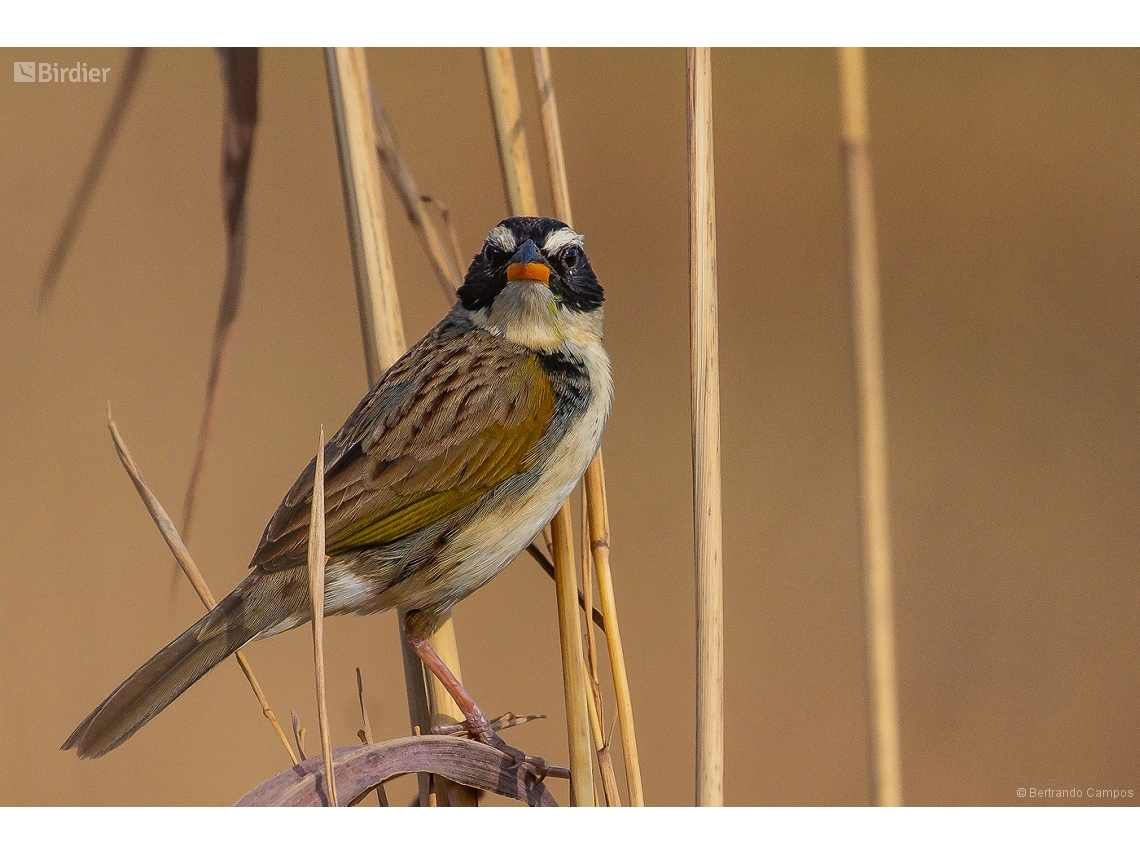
[(446, 470)]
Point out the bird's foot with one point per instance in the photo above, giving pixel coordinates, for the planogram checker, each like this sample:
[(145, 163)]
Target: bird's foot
[(478, 727)]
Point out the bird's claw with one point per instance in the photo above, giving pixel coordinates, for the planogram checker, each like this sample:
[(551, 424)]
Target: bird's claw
[(482, 730)]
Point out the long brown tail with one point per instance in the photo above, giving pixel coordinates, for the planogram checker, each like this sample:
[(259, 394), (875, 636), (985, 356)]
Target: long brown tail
[(247, 611)]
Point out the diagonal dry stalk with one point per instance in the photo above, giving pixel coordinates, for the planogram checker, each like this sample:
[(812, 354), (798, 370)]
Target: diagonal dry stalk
[(595, 517), (706, 433), (240, 69), (351, 96), (91, 173), (547, 566), (182, 555), (862, 246), (502, 87), (317, 600), (444, 263)]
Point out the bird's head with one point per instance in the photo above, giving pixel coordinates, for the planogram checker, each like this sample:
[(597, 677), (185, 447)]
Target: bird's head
[(533, 283)]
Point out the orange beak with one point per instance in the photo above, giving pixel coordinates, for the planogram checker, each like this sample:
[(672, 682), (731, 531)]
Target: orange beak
[(534, 271)]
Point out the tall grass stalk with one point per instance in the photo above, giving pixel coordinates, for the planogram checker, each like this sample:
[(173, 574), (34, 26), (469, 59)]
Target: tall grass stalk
[(706, 433), (863, 261)]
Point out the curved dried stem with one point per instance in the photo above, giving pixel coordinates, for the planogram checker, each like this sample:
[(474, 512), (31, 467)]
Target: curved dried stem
[(360, 768)]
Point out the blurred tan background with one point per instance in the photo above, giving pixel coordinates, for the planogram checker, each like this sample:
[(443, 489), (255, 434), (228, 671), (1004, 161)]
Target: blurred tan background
[(1008, 193)]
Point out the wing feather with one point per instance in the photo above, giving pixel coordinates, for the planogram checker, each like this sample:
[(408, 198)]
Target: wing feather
[(460, 413)]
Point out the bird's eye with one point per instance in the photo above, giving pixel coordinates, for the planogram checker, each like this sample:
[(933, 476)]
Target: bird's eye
[(572, 256), (493, 253)]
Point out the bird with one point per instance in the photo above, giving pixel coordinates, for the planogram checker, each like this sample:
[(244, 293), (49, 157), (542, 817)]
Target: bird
[(447, 469)]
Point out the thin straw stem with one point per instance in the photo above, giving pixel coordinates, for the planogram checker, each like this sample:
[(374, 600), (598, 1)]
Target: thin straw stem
[(379, 303), (552, 135), (706, 434), (182, 556), (595, 486), (862, 245), (594, 695), (317, 599), (502, 86), (351, 96), (509, 131), (570, 634)]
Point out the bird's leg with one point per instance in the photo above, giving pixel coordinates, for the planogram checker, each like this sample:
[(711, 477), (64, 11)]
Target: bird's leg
[(475, 722)]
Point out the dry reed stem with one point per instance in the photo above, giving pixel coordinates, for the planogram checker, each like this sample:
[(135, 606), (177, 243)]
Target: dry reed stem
[(240, 69), (706, 433), (444, 264), (350, 93), (182, 555), (560, 186), (862, 245), (91, 173), (509, 131), (514, 158), (570, 634), (594, 695), (317, 599), (449, 224), (552, 135), (379, 304), (599, 519)]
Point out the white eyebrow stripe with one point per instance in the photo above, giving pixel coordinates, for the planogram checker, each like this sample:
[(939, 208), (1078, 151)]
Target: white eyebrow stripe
[(502, 238), (560, 239)]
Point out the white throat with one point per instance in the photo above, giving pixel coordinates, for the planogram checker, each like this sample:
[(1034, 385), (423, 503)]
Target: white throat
[(526, 313)]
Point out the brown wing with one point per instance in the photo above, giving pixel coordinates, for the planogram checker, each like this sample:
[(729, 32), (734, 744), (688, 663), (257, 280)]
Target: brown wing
[(458, 414)]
